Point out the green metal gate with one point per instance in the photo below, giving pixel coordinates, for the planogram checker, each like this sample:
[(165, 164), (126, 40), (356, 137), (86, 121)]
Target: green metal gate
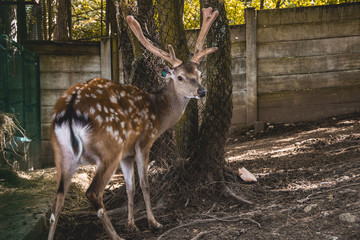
[(20, 96)]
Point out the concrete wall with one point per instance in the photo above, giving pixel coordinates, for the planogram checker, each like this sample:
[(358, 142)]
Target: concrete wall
[(61, 65), (308, 63)]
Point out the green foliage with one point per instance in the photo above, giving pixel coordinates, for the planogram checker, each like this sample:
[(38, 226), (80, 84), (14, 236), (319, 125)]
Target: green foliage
[(235, 8), (191, 14), (86, 19), (87, 13)]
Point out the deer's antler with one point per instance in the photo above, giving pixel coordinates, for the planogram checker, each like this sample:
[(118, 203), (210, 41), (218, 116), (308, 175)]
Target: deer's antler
[(169, 57), (208, 18)]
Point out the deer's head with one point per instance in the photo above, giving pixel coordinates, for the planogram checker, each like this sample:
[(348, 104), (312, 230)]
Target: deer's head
[(185, 76)]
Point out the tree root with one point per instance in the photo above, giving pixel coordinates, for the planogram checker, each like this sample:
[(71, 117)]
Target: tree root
[(212, 219), (230, 193), (313, 195), (198, 236)]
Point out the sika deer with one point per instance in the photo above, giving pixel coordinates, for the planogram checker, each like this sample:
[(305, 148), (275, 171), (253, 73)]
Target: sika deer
[(110, 125)]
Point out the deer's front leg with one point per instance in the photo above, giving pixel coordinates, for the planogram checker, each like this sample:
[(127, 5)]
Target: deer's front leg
[(127, 166), (142, 159)]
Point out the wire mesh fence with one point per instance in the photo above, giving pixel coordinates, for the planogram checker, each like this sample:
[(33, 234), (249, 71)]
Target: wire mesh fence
[(166, 22), (20, 96)]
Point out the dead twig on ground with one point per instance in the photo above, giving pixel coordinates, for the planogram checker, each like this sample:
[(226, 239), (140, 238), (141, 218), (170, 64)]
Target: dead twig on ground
[(198, 236), (312, 196), (212, 219), (230, 193)]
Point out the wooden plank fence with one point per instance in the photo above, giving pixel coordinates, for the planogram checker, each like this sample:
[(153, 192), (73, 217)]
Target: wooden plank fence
[(307, 65)]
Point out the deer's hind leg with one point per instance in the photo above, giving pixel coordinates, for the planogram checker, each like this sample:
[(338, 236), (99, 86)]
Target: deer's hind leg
[(65, 168), (95, 192)]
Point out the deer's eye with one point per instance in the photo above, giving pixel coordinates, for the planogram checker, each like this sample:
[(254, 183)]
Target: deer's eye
[(180, 78)]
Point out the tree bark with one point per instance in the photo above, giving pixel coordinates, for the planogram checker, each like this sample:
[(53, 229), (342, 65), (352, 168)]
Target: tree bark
[(216, 120), (21, 21), (63, 28), (172, 31)]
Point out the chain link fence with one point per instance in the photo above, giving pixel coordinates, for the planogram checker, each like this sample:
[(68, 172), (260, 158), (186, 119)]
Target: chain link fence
[(20, 97)]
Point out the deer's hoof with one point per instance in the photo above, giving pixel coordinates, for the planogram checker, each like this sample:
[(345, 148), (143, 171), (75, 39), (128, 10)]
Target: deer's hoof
[(132, 227), (155, 226)]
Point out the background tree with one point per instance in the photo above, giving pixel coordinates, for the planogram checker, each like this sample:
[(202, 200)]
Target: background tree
[(216, 119), (7, 19), (63, 21), (86, 19), (169, 14)]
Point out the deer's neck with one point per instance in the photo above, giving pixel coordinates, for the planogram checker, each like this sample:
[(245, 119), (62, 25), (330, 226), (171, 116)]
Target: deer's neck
[(168, 106)]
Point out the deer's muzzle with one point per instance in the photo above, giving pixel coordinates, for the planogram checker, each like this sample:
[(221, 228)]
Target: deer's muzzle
[(201, 92)]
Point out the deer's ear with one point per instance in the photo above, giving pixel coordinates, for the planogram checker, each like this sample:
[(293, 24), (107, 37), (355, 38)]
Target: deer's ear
[(164, 71)]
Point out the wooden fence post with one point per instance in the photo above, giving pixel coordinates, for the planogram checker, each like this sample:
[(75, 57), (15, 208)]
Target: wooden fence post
[(105, 58), (251, 66)]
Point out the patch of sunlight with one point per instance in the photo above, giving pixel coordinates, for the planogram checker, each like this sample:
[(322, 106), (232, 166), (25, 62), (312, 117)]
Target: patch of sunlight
[(285, 140), (82, 179), (348, 122), (274, 152), (309, 185)]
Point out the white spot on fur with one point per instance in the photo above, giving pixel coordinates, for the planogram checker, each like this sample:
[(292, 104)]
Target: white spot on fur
[(110, 130), (112, 99), (86, 95), (106, 110), (68, 98), (122, 124), (99, 91), (152, 116), (92, 110), (122, 94), (93, 95), (98, 106), (99, 119)]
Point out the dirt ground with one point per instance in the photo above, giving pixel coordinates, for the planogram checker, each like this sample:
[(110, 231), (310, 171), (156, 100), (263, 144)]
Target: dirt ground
[(308, 187)]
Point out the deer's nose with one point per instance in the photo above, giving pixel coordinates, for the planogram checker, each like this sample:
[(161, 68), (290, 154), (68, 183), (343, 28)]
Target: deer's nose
[(201, 92)]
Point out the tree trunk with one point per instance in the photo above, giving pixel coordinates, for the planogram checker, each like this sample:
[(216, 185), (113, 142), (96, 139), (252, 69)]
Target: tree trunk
[(8, 19), (172, 31), (216, 119), (63, 26), (21, 22)]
